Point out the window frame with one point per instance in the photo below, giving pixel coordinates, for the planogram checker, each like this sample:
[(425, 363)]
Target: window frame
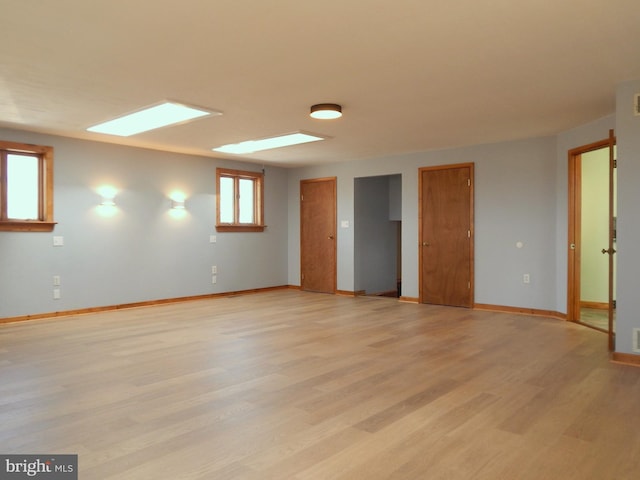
[(258, 201), (45, 222)]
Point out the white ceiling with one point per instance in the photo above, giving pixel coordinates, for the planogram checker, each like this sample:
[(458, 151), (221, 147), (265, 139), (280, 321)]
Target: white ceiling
[(411, 75)]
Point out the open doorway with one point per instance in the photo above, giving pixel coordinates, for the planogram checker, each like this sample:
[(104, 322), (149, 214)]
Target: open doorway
[(592, 236), (377, 235)]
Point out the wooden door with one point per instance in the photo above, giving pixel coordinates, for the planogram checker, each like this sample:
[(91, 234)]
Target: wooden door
[(611, 250), (318, 235), (446, 235)]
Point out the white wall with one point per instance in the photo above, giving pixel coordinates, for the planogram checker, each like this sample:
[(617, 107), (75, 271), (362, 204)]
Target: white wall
[(141, 252), (628, 261)]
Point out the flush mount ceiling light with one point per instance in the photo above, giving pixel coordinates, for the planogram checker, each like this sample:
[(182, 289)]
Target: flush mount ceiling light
[(326, 111), (252, 146), (167, 113)]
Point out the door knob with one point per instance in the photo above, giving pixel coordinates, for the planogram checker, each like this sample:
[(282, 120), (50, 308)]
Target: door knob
[(426, 244), (330, 237)]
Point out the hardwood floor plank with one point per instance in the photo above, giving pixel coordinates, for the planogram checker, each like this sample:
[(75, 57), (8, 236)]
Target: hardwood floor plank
[(294, 385), (295, 458), (406, 406)]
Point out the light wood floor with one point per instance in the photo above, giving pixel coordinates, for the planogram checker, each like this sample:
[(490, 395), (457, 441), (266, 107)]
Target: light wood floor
[(596, 318), (293, 385)]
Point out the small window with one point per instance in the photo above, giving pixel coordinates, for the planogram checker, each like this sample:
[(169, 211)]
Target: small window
[(26, 187), (239, 201)]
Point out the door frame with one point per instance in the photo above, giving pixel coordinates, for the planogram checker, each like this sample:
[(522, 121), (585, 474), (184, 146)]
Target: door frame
[(421, 240), (575, 225), (334, 266)]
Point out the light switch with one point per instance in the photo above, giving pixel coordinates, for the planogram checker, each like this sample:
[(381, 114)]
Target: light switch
[(58, 241), (344, 223)]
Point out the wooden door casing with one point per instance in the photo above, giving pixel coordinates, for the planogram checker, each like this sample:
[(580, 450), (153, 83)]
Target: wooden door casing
[(574, 250)]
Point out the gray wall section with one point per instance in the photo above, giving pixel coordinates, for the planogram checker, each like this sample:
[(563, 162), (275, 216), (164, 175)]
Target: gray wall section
[(628, 140), (395, 198), (141, 252), (375, 236), (515, 200)]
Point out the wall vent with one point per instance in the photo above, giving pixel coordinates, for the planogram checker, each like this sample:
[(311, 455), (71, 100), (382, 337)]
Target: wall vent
[(636, 104), (636, 339)]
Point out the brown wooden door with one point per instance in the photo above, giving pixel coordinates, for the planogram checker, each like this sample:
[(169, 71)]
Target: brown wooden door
[(611, 250), (446, 235), (318, 235)]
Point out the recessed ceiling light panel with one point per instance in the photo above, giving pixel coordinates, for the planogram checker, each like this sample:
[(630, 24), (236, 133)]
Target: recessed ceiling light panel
[(252, 146), (168, 113)]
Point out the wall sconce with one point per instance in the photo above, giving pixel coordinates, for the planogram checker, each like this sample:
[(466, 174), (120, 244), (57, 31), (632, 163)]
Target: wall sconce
[(108, 193), (107, 206), (177, 198)]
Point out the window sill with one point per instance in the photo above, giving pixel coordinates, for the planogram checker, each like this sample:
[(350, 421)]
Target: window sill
[(27, 226), (240, 228)]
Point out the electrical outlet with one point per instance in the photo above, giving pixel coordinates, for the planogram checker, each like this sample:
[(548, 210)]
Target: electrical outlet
[(526, 278), (214, 279), (56, 294)]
